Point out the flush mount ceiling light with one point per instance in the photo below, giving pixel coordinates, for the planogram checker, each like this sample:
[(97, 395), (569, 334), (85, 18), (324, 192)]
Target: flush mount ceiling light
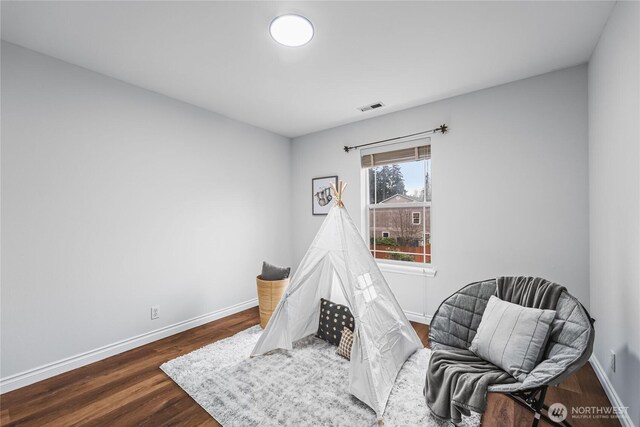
[(291, 30)]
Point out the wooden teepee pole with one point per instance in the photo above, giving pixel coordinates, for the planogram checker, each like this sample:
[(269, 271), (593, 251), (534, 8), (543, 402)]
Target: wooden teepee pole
[(339, 192)]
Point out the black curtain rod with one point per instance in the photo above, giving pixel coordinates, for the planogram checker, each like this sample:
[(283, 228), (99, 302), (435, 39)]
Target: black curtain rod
[(442, 129)]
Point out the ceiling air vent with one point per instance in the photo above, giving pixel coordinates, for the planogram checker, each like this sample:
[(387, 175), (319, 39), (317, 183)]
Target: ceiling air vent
[(371, 107)]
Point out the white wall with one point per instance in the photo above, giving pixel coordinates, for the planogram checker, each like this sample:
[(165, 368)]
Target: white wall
[(614, 200), (115, 199), (509, 184)]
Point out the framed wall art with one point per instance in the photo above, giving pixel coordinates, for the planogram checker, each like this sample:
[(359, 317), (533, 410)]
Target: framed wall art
[(322, 196)]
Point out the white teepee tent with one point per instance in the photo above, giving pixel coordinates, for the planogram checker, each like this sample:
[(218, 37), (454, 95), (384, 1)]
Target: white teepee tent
[(338, 266)]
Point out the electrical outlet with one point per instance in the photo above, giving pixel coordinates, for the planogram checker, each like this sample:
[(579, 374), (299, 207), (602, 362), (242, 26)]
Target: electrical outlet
[(155, 312), (612, 361)]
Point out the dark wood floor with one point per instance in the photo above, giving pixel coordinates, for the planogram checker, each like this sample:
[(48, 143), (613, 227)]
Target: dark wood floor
[(130, 389)]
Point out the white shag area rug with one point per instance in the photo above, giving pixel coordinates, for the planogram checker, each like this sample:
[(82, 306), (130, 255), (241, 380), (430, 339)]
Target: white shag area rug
[(304, 387)]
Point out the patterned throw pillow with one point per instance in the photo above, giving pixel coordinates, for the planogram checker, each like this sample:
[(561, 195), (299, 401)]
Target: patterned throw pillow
[(344, 349), (333, 318)]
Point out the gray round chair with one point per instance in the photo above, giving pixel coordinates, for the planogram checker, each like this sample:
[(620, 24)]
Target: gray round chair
[(569, 347)]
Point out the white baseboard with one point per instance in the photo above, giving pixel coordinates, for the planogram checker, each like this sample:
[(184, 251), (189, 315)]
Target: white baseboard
[(609, 390), (49, 370), (418, 317)]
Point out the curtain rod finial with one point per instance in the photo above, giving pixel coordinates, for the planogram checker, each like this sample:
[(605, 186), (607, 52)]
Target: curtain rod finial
[(443, 128), (346, 149)]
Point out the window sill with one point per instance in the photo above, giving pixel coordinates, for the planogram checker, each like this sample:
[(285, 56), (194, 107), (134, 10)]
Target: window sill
[(410, 270)]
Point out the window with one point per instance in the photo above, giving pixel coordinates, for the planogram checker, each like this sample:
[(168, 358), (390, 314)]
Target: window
[(399, 204), (415, 218)]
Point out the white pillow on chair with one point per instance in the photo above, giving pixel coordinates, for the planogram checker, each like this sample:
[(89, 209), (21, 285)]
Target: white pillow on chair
[(512, 337)]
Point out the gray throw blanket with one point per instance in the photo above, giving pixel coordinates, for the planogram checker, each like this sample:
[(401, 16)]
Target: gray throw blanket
[(457, 380), (531, 292)]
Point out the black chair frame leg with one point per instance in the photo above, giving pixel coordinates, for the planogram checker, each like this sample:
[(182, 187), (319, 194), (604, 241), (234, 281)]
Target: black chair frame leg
[(533, 400)]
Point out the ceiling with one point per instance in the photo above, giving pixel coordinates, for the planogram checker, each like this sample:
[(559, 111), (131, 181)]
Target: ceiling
[(219, 55)]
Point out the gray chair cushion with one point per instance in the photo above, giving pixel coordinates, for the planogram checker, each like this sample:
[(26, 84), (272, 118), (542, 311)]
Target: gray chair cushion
[(456, 321), (511, 336), (570, 344)]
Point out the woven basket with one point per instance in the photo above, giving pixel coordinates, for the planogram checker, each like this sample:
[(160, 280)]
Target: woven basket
[(269, 294)]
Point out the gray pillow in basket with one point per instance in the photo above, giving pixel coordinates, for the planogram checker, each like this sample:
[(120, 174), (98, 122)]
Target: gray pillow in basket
[(512, 337), (273, 272)]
